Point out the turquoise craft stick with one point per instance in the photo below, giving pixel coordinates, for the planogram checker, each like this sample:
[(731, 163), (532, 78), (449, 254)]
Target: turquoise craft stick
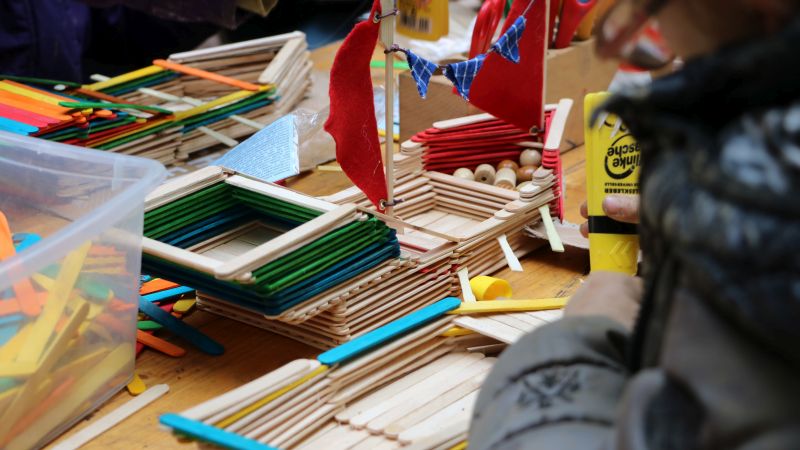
[(167, 294), (25, 240), (194, 337), (15, 127), (388, 332), (207, 433)]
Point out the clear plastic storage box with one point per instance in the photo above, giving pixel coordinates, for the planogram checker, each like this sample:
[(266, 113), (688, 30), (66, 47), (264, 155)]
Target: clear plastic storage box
[(69, 284)]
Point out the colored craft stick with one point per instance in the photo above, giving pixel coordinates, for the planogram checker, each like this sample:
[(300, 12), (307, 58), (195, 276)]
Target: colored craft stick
[(147, 325), (210, 76), (51, 400), (210, 434), (25, 240), (193, 336), (54, 307), (147, 108), (29, 301), (20, 101), (26, 117), (156, 285), (136, 386), (387, 332), (269, 398), (183, 306), (12, 126), (159, 344), (124, 78), (26, 91), (167, 294), (44, 81), (457, 331), (111, 419), (225, 99), (499, 306), (460, 446)]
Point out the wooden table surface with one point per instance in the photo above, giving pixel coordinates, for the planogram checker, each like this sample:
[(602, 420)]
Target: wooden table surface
[(250, 352)]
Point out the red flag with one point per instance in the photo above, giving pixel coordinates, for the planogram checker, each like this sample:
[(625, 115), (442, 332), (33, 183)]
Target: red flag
[(352, 115), (515, 92)]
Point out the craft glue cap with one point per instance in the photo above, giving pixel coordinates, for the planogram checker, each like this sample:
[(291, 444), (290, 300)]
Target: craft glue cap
[(489, 288)]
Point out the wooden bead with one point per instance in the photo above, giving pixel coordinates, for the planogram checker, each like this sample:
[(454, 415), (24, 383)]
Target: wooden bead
[(464, 173), (525, 173), (485, 174), (505, 178), (508, 164), (530, 157)]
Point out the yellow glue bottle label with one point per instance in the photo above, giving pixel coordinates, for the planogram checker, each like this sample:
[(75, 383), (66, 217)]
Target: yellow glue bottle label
[(612, 167), (427, 20)]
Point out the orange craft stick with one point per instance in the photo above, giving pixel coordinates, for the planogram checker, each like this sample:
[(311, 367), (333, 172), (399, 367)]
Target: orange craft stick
[(26, 296), (159, 344), (38, 91), (12, 305), (175, 67), (45, 405), (29, 103), (156, 285)]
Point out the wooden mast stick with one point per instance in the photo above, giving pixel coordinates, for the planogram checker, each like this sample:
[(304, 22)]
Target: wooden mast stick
[(387, 38)]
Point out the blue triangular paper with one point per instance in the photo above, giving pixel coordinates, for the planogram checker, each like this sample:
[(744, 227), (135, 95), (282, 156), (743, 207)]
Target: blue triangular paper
[(421, 71), (462, 74), (508, 44)]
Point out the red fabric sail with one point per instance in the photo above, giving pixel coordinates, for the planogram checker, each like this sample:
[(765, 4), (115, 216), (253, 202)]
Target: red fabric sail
[(515, 92), (352, 115)]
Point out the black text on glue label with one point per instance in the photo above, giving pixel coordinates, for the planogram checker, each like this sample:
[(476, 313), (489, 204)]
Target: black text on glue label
[(622, 157)]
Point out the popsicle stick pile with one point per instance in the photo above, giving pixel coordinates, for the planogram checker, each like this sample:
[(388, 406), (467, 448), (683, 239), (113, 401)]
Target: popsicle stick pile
[(170, 110)]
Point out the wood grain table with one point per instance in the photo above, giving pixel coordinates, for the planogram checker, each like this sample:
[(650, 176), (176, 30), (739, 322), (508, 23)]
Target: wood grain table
[(250, 352)]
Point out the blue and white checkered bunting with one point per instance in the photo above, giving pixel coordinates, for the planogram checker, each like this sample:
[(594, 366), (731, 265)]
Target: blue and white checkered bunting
[(421, 71), (462, 74), (508, 44)]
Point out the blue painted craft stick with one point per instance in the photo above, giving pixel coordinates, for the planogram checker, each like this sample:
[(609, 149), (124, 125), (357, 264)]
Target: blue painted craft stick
[(167, 294), (11, 319), (25, 240), (13, 126), (388, 332), (210, 434), (196, 338)]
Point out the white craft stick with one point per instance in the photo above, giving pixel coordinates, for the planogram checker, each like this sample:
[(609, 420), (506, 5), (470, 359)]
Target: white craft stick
[(179, 256), (557, 124), (398, 386), (269, 41), (461, 121), (491, 328), (273, 71), (365, 417), (552, 235), (466, 290), (180, 185), (271, 381), (508, 252), (271, 410), (230, 142), (444, 416), (281, 193), (195, 102), (111, 419)]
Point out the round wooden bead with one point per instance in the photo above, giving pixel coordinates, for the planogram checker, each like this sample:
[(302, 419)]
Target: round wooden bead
[(506, 178), (485, 174), (530, 157), (464, 173), (525, 173), (508, 164)]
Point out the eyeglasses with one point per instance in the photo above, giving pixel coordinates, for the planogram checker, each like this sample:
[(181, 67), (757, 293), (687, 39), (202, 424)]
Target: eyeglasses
[(629, 32)]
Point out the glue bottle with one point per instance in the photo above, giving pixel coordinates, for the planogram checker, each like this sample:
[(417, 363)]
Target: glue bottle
[(612, 167)]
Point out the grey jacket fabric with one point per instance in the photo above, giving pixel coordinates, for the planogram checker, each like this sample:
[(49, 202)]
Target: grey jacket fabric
[(714, 359)]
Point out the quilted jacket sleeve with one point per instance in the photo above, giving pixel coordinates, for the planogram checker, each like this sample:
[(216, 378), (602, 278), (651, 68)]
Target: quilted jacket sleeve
[(556, 388)]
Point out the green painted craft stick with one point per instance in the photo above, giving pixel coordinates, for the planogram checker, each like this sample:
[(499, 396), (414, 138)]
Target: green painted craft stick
[(401, 65), (40, 81), (146, 325), (104, 105)]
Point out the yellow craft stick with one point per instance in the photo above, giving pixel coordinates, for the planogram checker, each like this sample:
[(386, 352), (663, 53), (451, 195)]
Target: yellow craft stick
[(245, 411), (232, 97), (499, 306), (17, 370), (6, 86), (153, 124), (10, 350), (124, 78), (76, 401), (457, 331), (54, 307), (25, 399), (136, 386), (461, 446)]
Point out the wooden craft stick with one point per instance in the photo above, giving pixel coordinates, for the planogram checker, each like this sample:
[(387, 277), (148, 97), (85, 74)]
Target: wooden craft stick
[(496, 330), (190, 334), (156, 285), (167, 294), (124, 78), (279, 246), (508, 252), (86, 105), (445, 424), (31, 92), (224, 100), (281, 193), (466, 290), (210, 76), (56, 301), (159, 344), (228, 49), (180, 256), (252, 424), (557, 124), (552, 235), (210, 434), (497, 306), (457, 331), (111, 419), (28, 301), (387, 332)]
